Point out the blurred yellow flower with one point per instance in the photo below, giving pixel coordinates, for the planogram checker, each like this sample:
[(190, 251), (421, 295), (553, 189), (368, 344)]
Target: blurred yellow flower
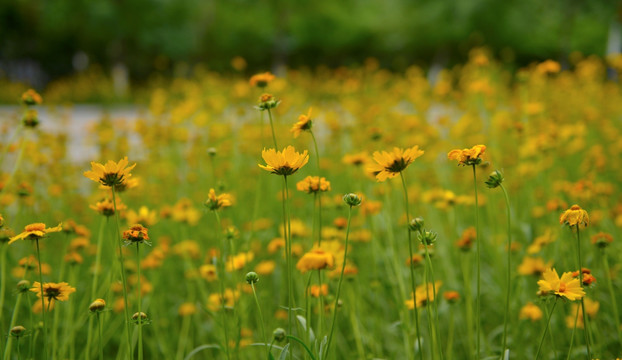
[(261, 80), (390, 164), (215, 202), (467, 156), (575, 216), (35, 231), (531, 312), (110, 174), (316, 259), (313, 184), (304, 123), (284, 162), (143, 216), (568, 286), (52, 292)]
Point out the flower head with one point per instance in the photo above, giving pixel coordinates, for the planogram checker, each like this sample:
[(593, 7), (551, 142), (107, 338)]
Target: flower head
[(31, 97), (52, 292), (390, 164), (267, 102), (98, 305), (284, 162), (316, 259), (106, 207), (304, 123), (467, 156), (567, 286), (35, 231), (313, 184), (602, 240), (136, 234), (575, 216), (110, 174), (530, 311), (215, 202), (261, 80)]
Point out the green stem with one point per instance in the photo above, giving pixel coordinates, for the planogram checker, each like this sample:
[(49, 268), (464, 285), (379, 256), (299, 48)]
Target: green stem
[(123, 280), (612, 295), (2, 275), (509, 274), (450, 337), (343, 267), (138, 295), (7, 348), (276, 147), (320, 311), (45, 342), (548, 321), (263, 327), (101, 344), (100, 237), (411, 266), (288, 256), (221, 278), (586, 328), (317, 152), (574, 329), (183, 337), (478, 245)]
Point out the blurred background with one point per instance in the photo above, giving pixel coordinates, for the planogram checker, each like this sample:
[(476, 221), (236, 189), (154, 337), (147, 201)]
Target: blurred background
[(129, 41)]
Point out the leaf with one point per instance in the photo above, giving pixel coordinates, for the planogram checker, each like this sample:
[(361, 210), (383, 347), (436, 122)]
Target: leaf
[(284, 352), (303, 322), (201, 348)]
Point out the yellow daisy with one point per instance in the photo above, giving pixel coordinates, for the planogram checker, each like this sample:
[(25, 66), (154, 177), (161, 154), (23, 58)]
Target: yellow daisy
[(390, 164), (110, 174), (284, 162), (35, 231)]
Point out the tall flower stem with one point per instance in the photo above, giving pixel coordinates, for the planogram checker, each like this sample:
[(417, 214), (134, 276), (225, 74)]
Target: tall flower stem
[(586, 326), (263, 326), (478, 250), (45, 341), (7, 348), (101, 339), (411, 267), (548, 321), (272, 128), (288, 255), (221, 278), (319, 194), (123, 280), (612, 294), (138, 296), (320, 311), (509, 274), (574, 329), (343, 267), (3, 251), (94, 283)]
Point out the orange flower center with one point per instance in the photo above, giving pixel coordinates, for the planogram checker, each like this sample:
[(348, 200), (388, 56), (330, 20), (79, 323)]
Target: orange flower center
[(562, 287), (35, 227), (575, 207)]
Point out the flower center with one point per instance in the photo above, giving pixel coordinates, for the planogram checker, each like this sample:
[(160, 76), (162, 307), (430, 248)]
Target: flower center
[(575, 207), (35, 227), (562, 287)]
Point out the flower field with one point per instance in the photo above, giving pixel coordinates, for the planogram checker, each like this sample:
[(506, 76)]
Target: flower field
[(349, 213)]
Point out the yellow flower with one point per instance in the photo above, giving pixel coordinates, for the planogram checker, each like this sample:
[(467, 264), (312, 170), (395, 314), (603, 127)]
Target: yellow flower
[(52, 292), (423, 295), (215, 202), (530, 311), (136, 234), (31, 97), (567, 286), (111, 174), (106, 208), (591, 309), (575, 216), (356, 159), (284, 162), (316, 259), (208, 272), (313, 184), (315, 290), (390, 164), (187, 309), (261, 80), (533, 266), (214, 301), (467, 156), (143, 216), (35, 231), (265, 267), (304, 123)]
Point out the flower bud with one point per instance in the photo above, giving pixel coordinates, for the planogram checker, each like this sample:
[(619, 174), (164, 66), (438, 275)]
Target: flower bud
[(143, 316), (267, 101), (494, 180), (18, 331), (23, 286), (416, 224), (352, 199), (30, 118), (252, 278), (211, 151), (427, 237), (97, 305), (278, 334)]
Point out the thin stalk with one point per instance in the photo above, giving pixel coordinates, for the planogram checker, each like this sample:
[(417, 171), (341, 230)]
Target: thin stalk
[(317, 152), (574, 329), (263, 327), (183, 337), (288, 257), (45, 341), (411, 267), (478, 245), (548, 321), (138, 295), (586, 327), (343, 267), (509, 274), (436, 333), (612, 294), (101, 341), (100, 237), (126, 313), (450, 337), (221, 278), (7, 348), (320, 312), (468, 303), (272, 127), (2, 274)]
